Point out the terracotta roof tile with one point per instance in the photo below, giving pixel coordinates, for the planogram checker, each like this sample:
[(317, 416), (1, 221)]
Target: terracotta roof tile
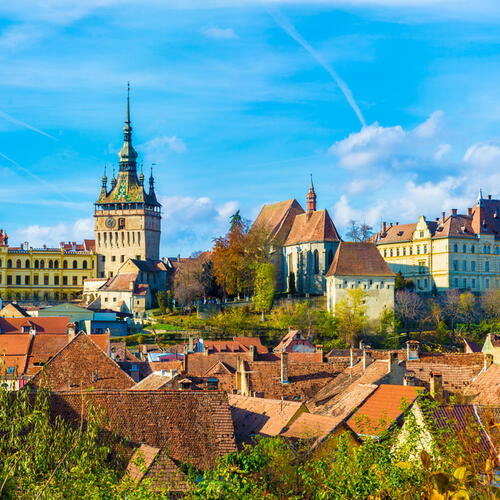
[(43, 349), (193, 426), (311, 426), (43, 325), (265, 417), (485, 388), (382, 409), (358, 259), (152, 382), (13, 310), (314, 226)]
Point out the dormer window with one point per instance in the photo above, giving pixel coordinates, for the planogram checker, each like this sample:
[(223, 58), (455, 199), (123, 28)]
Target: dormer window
[(26, 329)]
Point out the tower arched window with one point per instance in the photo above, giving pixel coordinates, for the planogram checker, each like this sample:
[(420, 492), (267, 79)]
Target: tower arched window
[(18, 263), (84, 264), (65, 264), (27, 264), (51, 264), (56, 264), (75, 264), (316, 261), (42, 264), (37, 264)]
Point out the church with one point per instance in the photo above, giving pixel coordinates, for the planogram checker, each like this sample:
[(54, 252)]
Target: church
[(303, 243), (127, 226)]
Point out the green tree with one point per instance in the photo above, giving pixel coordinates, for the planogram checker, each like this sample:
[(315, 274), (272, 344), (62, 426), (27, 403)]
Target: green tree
[(399, 281), (160, 297), (264, 288), (350, 312), (466, 307), (169, 301)]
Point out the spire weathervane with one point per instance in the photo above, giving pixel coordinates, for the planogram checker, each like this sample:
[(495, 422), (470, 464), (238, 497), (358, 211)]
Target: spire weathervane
[(127, 154)]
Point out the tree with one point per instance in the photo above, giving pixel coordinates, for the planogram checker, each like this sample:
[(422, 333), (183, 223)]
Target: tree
[(435, 313), (399, 281), (187, 283), (408, 306), (264, 288), (490, 304), (350, 312), (466, 307), (359, 231), (451, 302), (169, 301), (160, 297)]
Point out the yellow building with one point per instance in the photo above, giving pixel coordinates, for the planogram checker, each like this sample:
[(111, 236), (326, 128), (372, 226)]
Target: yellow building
[(452, 252), (45, 274)]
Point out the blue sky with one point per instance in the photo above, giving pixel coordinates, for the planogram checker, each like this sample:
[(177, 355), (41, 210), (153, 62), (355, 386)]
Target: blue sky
[(238, 101)]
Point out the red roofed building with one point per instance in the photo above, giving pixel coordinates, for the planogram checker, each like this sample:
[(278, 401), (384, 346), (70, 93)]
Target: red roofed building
[(303, 243), (360, 266), (460, 251)]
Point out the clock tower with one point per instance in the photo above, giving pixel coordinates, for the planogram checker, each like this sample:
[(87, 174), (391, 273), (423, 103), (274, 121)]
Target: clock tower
[(127, 219)]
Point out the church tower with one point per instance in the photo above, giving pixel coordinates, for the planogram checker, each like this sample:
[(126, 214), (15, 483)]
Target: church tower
[(127, 219)]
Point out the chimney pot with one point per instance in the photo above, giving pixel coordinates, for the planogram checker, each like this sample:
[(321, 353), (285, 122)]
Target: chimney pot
[(436, 386), (409, 379), (453, 211), (443, 216), (284, 368), (469, 211), (384, 226)]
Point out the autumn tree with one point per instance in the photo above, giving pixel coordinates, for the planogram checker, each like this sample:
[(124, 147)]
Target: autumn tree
[(467, 307), (264, 288), (187, 281), (490, 304), (350, 313)]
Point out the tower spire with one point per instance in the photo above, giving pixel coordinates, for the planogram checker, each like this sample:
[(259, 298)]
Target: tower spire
[(151, 179), (311, 198), (127, 154), (104, 179), (141, 177)]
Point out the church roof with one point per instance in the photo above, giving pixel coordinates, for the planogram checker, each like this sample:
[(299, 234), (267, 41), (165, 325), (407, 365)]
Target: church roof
[(313, 226), (358, 259)]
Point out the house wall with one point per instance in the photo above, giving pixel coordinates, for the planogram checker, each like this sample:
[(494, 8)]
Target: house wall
[(379, 292)]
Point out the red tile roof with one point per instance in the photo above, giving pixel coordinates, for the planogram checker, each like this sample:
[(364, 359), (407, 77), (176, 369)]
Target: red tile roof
[(311, 427), (485, 388), (358, 259), (43, 349), (194, 426), (14, 352), (43, 325), (13, 310), (382, 409), (313, 226)]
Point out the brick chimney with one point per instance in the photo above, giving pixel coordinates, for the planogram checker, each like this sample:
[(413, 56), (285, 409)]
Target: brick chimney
[(443, 216), (453, 211), (252, 353), (367, 359), (284, 368), (191, 343), (469, 211), (384, 226), (436, 386), (71, 331), (412, 349), (392, 362), (409, 378)]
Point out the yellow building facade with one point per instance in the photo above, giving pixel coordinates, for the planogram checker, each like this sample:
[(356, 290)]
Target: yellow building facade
[(45, 274), (458, 251)]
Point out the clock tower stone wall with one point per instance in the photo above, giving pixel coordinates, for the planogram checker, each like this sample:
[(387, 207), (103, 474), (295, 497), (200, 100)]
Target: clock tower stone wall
[(127, 219)]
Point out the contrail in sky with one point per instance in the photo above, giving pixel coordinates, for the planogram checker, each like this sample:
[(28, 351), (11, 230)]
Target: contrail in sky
[(290, 29), (39, 179), (25, 125)]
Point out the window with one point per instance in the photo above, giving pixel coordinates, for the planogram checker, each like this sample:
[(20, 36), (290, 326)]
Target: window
[(65, 264), (425, 248), (418, 249), (330, 258), (381, 284), (122, 258), (411, 250), (113, 258), (75, 280), (455, 265), (42, 264), (465, 282), (9, 280), (421, 234), (138, 257), (18, 280), (472, 249), (75, 264), (18, 264), (464, 265), (56, 280), (425, 283), (46, 280), (114, 299), (473, 265), (35, 279), (404, 250), (473, 283), (84, 264), (26, 280), (27, 264), (456, 282), (421, 267), (397, 252), (37, 264), (51, 264), (56, 264), (487, 266), (391, 252), (9, 263), (316, 261), (464, 248), (455, 247), (121, 223), (65, 280), (487, 283)]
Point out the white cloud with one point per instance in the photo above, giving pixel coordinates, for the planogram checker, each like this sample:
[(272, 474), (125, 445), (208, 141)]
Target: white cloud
[(441, 151), (483, 155), (429, 128), (158, 145), (219, 33), (51, 236)]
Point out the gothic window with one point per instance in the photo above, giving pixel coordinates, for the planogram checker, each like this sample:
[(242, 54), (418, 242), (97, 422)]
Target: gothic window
[(330, 258), (37, 264), (56, 264), (27, 264), (42, 264), (316, 261), (51, 264), (18, 264), (75, 264), (84, 264), (65, 264)]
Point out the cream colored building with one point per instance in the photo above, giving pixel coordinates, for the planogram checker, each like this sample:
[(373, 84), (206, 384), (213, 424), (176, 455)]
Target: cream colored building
[(127, 219), (360, 266), (455, 251)]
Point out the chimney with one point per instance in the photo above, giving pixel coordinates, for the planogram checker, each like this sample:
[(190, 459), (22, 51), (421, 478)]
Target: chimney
[(436, 386), (489, 197), (238, 364), (453, 211), (361, 344), (185, 362), (412, 348), (191, 342), (409, 379), (384, 226), (367, 359), (71, 331), (252, 353), (488, 361), (392, 362), (319, 348), (469, 211), (437, 219), (352, 358), (186, 349), (443, 216), (284, 368)]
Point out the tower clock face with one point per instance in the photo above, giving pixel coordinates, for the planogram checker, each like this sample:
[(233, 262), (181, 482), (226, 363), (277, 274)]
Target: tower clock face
[(110, 223)]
